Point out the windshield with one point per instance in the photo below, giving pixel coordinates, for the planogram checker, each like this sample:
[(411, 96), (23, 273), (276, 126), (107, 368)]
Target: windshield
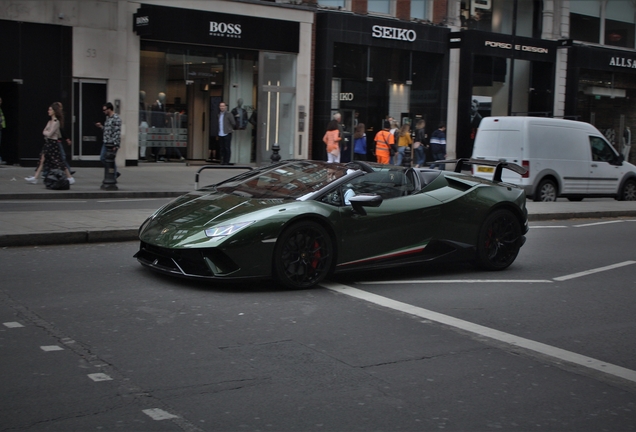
[(292, 179)]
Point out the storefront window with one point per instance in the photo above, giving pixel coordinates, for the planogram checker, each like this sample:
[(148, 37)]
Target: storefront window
[(420, 9), (497, 16), (380, 6), (585, 22), (181, 88), (338, 4)]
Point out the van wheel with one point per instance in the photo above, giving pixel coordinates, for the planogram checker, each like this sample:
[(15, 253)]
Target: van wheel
[(546, 192), (629, 191)]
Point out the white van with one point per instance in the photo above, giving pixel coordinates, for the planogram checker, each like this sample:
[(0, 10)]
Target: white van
[(564, 158)]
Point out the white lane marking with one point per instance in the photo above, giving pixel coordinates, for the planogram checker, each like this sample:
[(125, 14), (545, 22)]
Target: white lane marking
[(130, 200), (549, 226), (12, 324), (158, 414), (592, 271), (443, 281), (597, 223), (99, 377), (556, 353), (51, 348)]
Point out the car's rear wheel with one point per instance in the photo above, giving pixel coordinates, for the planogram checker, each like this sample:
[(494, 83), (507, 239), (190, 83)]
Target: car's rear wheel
[(303, 255), (546, 191), (500, 239), (629, 191)]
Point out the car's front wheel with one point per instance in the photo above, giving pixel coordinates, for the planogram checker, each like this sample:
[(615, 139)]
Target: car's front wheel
[(500, 239), (303, 255)]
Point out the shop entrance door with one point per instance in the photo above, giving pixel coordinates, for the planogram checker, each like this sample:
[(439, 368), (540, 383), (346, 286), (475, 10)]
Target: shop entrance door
[(88, 99), (276, 107)]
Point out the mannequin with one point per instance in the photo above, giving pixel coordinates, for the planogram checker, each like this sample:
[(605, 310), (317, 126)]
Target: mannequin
[(143, 124), (158, 120), (240, 115)]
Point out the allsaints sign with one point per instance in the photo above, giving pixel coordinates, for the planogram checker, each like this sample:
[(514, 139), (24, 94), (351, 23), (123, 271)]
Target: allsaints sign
[(623, 62)]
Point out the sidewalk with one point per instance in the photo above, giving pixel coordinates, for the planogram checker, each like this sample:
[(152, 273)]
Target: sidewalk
[(160, 180)]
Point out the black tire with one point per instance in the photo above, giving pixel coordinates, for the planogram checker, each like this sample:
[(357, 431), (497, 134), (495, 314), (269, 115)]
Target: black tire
[(303, 255), (546, 191), (628, 193), (499, 241)]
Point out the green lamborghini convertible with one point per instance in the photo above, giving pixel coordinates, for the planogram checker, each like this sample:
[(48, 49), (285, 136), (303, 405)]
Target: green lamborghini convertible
[(299, 221)]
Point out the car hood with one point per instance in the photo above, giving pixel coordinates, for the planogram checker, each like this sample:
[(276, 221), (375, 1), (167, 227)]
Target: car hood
[(184, 221)]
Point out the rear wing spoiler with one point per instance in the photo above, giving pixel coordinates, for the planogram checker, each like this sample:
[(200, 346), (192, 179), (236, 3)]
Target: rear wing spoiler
[(498, 164)]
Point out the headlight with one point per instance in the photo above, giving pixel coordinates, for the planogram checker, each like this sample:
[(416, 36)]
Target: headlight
[(226, 230)]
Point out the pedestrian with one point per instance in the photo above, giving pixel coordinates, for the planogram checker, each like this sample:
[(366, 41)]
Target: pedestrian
[(395, 128), (344, 141), (404, 141), (438, 146), (50, 154), (360, 143), (3, 125), (383, 143), (332, 141), (420, 146), (226, 127), (60, 142), (112, 134)]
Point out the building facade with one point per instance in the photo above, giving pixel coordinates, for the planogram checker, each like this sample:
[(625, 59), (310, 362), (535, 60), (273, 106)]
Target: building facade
[(284, 67), (166, 66)]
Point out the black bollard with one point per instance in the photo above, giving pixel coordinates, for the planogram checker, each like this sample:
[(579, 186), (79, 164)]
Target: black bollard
[(406, 160), (109, 182), (275, 157)]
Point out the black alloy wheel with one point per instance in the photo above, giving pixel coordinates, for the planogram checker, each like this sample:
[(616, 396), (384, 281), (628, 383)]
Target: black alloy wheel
[(499, 240), (303, 255)]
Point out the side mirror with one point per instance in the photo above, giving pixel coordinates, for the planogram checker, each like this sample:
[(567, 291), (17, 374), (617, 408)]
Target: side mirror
[(358, 202), (619, 160)]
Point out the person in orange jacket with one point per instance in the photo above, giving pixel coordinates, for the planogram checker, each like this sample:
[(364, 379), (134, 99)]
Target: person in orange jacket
[(332, 141), (383, 142)]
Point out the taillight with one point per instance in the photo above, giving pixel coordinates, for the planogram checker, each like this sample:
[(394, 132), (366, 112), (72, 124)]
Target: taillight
[(526, 164)]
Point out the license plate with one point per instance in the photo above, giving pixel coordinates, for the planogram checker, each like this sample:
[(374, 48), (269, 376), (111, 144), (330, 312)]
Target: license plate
[(485, 169)]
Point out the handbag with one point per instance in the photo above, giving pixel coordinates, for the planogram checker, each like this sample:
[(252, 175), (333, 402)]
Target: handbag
[(392, 149)]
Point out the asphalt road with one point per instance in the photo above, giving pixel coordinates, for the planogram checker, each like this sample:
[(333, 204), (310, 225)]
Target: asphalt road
[(90, 340)]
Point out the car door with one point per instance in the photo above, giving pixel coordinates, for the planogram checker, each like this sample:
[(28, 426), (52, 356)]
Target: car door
[(604, 173), (400, 226)]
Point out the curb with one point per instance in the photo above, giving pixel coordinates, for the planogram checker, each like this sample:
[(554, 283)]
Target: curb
[(71, 237), (52, 195), (131, 234)]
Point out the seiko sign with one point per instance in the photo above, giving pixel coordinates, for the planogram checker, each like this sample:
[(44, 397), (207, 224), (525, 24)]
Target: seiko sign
[(393, 33), (142, 20), (623, 62), (225, 30)]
